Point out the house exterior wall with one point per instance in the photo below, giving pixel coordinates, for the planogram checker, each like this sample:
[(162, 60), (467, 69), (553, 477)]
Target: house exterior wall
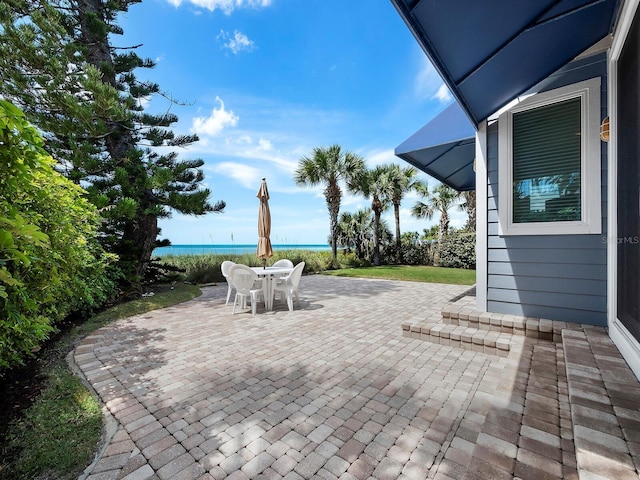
[(559, 277)]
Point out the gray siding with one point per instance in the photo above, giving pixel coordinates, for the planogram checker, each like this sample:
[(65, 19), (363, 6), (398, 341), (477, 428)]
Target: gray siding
[(559, 277)]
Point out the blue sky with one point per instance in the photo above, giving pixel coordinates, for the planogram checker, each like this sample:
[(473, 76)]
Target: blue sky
[(266, 81)]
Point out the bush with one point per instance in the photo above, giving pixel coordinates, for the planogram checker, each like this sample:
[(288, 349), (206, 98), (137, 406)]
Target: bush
[(414, 251), (50, 262), (351, 260), (458, 250), (418, 254)]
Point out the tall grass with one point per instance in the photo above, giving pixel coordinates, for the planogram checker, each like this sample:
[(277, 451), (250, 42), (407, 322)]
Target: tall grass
[(202, 269), (205, 268)]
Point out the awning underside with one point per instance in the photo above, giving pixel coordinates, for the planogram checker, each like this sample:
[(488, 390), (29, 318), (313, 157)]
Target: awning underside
[(452, 164), (490, 52), (444, 148)]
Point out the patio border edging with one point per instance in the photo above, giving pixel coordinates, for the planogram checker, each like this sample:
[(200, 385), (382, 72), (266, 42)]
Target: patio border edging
[(110, 424)]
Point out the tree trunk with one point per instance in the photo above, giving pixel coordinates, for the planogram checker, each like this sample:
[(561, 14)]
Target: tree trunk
[(470, 198), (396, 212), (376, 206), (96, 40), (333, 195), (139, 236), (444, 225)]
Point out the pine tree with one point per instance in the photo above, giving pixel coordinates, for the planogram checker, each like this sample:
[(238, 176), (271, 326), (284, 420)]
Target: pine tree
[(58, 64)]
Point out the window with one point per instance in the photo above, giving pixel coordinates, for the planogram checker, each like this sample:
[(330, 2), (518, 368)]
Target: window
[(549, 163)]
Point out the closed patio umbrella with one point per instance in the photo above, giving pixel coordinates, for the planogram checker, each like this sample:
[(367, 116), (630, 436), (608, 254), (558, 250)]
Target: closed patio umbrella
[(264, 224)]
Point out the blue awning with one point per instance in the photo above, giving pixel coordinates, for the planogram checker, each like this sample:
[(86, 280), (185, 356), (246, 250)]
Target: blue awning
[(489, 52), (444, 148)]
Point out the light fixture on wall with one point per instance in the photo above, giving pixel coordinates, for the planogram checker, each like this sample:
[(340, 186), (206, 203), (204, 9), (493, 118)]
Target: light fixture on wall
[(604, 130)]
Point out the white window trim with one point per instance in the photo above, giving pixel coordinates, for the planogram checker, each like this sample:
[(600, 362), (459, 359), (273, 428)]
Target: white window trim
[(591, 220)]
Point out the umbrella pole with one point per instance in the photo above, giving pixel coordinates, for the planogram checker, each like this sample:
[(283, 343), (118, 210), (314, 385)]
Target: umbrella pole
[(264, 263)]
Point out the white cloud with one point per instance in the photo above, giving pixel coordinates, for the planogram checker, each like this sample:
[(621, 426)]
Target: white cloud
[(457, 218), (216, 122), (245, 146), (265, 144), (428, 85), (427, 81), (380, 157), (246, 175), (351, 202), (443, 94), (226, 6), (237, 42), (143, 102)]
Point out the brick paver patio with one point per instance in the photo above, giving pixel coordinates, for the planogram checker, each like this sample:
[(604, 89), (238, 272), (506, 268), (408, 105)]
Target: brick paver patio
[(333, 390)]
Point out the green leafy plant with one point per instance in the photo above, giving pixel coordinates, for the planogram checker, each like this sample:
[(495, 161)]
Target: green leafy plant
[(50, 262)]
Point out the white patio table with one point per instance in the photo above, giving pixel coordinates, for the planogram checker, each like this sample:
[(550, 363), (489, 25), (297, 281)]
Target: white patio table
[(269, 275)]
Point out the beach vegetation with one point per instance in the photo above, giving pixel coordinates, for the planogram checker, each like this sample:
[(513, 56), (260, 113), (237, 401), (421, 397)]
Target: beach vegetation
[(458, 250), (205, 268)]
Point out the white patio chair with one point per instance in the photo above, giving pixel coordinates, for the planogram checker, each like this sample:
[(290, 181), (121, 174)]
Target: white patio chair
[(285, 262), (288, 286), (245, 282), (225, 267)]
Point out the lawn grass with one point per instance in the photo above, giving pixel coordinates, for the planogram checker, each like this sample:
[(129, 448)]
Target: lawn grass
[(58, 435), (456, 276)]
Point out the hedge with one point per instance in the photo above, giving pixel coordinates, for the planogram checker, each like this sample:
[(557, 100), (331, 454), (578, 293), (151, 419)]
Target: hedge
[(50, 262)]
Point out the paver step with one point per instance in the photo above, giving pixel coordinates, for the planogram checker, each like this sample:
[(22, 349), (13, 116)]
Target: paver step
[(463, 313), (463, 326), (471, 338)]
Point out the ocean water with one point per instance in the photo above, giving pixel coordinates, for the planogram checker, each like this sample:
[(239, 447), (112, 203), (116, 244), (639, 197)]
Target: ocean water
[(230, 249)]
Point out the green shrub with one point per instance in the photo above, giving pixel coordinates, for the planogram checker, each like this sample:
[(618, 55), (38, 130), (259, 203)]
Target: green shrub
[(414, 251), (50, 262), (418, 254), (351, 260), (458, 250)]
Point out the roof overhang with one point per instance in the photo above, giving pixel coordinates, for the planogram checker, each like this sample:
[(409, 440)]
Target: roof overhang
[(490, 52), (444, 148)]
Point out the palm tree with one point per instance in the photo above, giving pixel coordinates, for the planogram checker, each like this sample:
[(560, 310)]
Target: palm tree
[(402, 181), (356, 232), (346, 232), (375, 184), (440, 200), (469, 206), (329, 165)]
